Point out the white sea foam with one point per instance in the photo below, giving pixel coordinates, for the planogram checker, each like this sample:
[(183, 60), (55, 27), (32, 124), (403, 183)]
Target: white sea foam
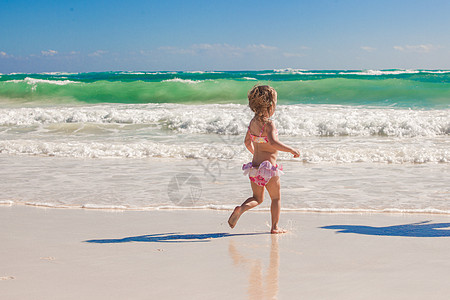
[(365, 210), (312, 209), (203, 72), (144, 73), (45, 204), (289, 70), (338, 152), (195, 72), (183, 80), (110, 150), (356, 134), (147, 73), (58, 73), (250, 78), (133, 73), (293, 120), (315, 73), (99, 206), (362, 72), (34, 81), (380, 72), (435, 72), (393, 210)]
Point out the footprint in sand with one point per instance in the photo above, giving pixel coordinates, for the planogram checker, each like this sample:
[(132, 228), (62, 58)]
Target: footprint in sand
[(7, 278)]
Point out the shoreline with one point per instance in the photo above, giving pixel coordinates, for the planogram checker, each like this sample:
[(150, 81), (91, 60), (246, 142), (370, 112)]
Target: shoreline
[(217, 185), (90, 254), (388, 211)]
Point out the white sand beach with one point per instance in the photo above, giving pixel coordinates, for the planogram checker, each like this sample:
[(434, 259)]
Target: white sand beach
[(192, 254)]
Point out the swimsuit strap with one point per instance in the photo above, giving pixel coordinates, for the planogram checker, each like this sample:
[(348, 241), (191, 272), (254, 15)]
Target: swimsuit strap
[(262, 129)]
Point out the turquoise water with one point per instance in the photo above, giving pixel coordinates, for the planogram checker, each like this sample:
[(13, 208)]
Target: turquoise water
[(369, 140), (424, 89)]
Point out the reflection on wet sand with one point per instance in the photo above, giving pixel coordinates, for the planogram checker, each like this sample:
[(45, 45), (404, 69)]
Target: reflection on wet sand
[(258, 288)]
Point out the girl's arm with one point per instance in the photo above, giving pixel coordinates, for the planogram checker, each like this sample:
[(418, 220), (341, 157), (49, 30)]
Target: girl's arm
[(248, 142), (274, 142)]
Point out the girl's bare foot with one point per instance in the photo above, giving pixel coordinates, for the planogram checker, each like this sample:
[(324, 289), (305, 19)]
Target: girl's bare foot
[(278, 230), (234, 216)]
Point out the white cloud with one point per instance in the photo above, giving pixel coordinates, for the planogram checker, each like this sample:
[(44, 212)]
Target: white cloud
[(208, 46), (423, 48), (169, 48), (214, 49), (368, 48), (3, 54), (49, 52), (145, 52), (289, 54), (262, 47), (98, 53)]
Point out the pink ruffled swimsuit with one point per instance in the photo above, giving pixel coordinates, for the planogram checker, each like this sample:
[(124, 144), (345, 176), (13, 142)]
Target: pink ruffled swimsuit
[(261, 174)]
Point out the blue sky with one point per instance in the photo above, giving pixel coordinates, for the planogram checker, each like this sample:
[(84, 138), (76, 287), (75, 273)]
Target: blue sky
[(80, 36)]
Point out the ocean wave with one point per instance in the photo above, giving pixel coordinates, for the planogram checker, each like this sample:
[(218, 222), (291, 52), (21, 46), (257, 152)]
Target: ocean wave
[(133, 73), (58, 73), (232, 119), (392, 72), (34, 81), (111, 150), (103, 207), (310, 153), (6, 202), (203, 72), (200, 89), (436, 72), (288, 70), (182, 80), (217, 207), (380, 72), (143, 73)]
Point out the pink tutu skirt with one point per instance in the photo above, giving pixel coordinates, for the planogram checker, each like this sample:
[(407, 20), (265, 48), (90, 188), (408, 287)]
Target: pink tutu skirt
[(262, 174)]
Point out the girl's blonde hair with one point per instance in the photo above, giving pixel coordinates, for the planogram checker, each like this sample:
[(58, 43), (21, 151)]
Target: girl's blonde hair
[(260, 99)]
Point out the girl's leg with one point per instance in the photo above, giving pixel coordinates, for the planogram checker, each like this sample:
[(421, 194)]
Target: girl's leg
[(274, 187), (256, 199)]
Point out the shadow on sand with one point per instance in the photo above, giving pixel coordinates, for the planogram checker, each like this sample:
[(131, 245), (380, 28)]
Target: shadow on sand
[(173, 237), (420, 229)]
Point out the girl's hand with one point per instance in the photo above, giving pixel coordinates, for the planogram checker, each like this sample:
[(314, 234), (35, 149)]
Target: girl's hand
[(295, 152)]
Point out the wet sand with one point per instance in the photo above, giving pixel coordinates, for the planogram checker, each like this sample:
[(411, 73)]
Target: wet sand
[(171, 254)]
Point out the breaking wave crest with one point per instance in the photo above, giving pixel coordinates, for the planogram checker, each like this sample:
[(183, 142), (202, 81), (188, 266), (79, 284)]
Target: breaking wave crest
[(232, 119)]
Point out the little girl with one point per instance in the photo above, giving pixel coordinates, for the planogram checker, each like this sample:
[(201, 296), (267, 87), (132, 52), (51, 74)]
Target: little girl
[(262, 141)]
